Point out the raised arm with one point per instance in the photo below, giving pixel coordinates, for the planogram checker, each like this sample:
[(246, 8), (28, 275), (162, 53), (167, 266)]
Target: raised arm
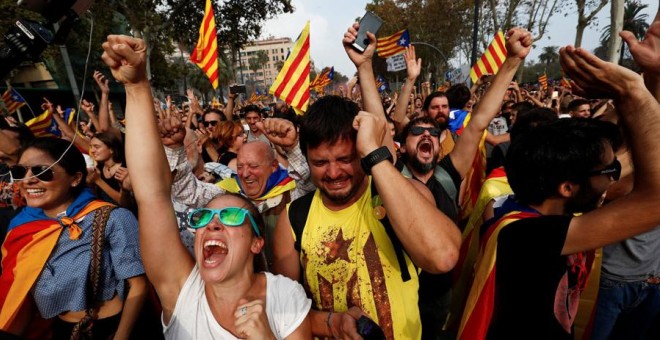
[(229, 108), (363, 62), (518, 45), (159, 238), (430, 237), (413, 69), (647, 55), (639, 115)]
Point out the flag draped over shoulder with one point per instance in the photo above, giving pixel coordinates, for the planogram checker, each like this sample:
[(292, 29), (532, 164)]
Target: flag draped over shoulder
[(491, 60), (393, 44), (481, 300), (205, 53), (13, 100), (292, 83)]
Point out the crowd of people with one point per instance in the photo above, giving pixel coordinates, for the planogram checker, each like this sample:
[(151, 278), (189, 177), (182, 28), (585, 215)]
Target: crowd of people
[(496, 211)]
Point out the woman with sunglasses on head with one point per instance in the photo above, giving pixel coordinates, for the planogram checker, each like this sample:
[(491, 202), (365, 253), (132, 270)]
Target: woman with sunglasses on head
[(52, 243), (217, 294)]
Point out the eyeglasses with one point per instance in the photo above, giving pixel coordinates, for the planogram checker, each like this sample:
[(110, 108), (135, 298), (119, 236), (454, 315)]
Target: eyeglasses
[(613, 170), (206, 123), (230, 216), (418, 130), (42, 172)]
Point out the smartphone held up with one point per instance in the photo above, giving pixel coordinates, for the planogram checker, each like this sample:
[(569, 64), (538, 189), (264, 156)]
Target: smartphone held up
[(369, 22)]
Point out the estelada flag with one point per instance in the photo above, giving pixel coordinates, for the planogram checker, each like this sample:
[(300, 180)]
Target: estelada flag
[(491, 60), (13, 100), (205, 53), (292, 82), (393, 44), (43, 125)]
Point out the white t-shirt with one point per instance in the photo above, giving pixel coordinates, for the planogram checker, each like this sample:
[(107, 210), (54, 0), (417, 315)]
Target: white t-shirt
[(286, 308)]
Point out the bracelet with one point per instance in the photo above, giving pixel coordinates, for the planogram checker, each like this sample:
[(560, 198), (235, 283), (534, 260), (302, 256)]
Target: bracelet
[(329, 322)]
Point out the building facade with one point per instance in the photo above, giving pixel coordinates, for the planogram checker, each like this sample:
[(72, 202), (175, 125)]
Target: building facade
[(276, 49)]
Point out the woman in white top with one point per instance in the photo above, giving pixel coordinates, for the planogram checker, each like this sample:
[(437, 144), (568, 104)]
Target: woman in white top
[(216, 294)]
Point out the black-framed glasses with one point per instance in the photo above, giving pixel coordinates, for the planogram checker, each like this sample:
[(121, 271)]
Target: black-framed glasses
[(613, 170), (208, 123), (418, 130), (42, 172), (229, 216)]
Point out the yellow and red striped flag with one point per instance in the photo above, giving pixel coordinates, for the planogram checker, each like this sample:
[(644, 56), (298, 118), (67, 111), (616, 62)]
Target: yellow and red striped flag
[(543, 80), (205, 53), (491, 60), (393, 44), (565, 83), (13, 100), (292, 82)]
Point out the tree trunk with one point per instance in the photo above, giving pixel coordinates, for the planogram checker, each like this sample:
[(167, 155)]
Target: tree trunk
[(579, 33), (615, 49)]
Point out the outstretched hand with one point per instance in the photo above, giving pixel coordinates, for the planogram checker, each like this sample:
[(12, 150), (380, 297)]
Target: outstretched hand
[(646, 52), (593, 77), (359, 58), (126, 58), (102, 82), (518, 43), (413, 64)]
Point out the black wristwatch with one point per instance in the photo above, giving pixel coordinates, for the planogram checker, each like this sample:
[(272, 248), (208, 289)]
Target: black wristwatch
[(374, 157)]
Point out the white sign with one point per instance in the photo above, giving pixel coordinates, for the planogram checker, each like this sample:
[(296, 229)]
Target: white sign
[(459, 75), (396, 63)]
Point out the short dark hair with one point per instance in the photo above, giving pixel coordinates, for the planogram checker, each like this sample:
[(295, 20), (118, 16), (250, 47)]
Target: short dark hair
[(522, 106), (458, 95), (430, 97), (527, 120), (252, 108), (70, 158), (566, 150), (414, 122), (575, 103), (25, 135), (328, 120)]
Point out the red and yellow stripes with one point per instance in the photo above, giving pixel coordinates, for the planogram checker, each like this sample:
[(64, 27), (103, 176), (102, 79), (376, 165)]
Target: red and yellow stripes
[(292, 83), (491, 60), (480, 303), (24, 254), (205, 53), (393, 44)]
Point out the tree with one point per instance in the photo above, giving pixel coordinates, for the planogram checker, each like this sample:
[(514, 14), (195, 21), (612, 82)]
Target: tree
[(438, 23), (258, 62), (586, 6), (633, 20), (550, 55)]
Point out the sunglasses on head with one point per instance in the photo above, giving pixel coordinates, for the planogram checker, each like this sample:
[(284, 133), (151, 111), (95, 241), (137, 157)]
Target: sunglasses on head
[(42, 172), (208, 123), (230, 217), (613, 170), (418, 130)]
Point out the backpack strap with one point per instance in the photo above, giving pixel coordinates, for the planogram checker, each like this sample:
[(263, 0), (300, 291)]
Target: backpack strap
[(298, 212), (83, 329), (396, 243)]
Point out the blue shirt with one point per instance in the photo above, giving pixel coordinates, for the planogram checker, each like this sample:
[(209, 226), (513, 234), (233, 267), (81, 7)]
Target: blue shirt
[(62, 284)]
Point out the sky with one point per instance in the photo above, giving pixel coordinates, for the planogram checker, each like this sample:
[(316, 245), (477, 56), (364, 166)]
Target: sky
[(330, 19)]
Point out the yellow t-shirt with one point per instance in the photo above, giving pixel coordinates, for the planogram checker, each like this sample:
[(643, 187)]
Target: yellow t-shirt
[(349, 260)]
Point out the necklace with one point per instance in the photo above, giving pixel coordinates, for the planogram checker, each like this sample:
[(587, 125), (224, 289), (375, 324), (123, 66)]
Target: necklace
[(109, 171)]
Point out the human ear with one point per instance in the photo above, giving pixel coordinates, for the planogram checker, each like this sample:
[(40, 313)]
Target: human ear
[(257, 245)]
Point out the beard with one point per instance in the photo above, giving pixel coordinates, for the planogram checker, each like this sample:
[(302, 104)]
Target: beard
[(586, 200)]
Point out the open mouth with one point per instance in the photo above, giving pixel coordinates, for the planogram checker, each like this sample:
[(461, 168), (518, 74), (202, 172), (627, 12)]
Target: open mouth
[(214, 251), (425, 148)]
